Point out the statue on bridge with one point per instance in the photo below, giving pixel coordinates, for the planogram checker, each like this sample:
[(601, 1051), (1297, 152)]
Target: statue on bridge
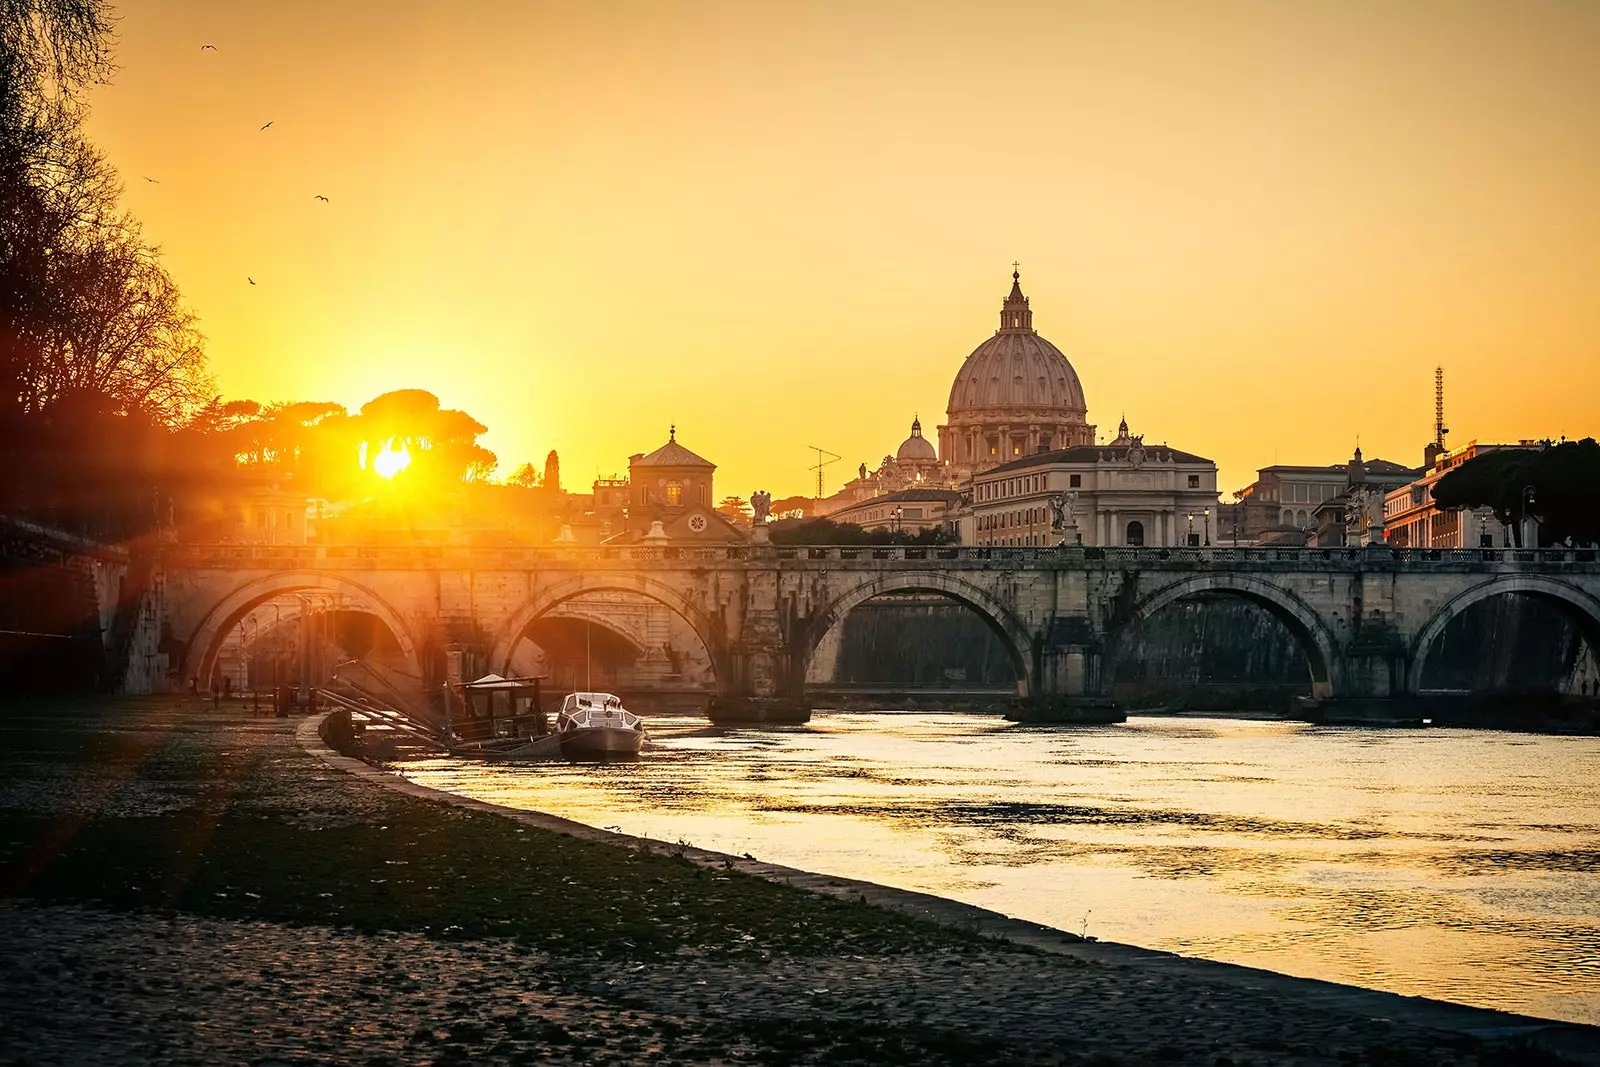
[(1063, 508), (761, 503)]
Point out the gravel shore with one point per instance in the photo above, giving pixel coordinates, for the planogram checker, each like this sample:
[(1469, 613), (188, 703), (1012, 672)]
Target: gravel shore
[(185, 885)]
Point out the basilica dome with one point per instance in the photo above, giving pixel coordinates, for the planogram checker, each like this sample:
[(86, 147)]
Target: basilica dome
[(1016, 394), (916, 448)]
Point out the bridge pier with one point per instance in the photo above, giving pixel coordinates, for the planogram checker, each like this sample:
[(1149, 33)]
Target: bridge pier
[(1067, 683), (764, 688)]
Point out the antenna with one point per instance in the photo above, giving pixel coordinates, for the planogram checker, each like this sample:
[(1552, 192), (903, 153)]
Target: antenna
[(821, 463), (1439, 429)]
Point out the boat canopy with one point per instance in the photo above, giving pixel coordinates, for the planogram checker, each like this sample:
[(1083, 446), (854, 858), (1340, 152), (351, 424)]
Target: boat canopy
[(575, 701)]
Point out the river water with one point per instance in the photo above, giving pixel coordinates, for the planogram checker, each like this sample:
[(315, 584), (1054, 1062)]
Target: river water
[(1458, 864)]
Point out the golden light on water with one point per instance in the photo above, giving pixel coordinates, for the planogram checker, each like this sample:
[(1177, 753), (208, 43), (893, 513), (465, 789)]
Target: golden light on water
[(391, 460)]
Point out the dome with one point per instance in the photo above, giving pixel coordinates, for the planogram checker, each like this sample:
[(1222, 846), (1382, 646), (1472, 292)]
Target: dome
[(1016, 371), (917, 448)]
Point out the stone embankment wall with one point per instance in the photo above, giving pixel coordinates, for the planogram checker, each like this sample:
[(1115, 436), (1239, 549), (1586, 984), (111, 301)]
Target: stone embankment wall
[(57, 598)]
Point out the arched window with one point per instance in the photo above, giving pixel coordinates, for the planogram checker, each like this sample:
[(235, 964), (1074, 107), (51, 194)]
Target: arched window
[(1300, 518), (1136, 533), (1288, 517), (674, 493)]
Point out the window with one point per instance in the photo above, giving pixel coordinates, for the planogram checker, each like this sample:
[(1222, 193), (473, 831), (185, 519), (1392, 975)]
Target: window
[(1075, 481), (1194, 481), (674, 494), (1136, 534)]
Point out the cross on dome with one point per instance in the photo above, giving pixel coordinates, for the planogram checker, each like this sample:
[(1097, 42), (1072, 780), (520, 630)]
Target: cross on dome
[(1015, 313)]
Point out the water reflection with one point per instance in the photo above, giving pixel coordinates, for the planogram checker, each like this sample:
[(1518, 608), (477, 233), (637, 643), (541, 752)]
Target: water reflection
[(1450, 863)]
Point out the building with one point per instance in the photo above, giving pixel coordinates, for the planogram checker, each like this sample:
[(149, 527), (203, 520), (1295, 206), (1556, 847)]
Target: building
[(1281, 504), (914, 465), (1016, 395), (905, 511), (1411, 519), (1354, 516), (1122, 493), (668, 495)]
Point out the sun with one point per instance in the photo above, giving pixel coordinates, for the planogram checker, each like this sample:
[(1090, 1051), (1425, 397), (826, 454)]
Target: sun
[(391, 460)]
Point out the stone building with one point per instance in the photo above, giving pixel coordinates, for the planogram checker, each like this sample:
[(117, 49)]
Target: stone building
[(905, 511), (1281, 504), (1125, 493), (670, 496), (914, 465)]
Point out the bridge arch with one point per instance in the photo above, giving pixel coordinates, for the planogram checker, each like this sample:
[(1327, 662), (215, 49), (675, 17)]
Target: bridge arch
[(706, 628), (1315, 636), (1014, 636), (1580, 607), (200, 653)]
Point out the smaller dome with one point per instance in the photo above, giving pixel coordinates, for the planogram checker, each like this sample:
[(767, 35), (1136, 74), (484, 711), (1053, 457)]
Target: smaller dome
[(917, 448)]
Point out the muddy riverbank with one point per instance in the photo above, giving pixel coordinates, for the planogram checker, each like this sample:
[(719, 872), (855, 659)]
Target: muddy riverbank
[(184, 885)]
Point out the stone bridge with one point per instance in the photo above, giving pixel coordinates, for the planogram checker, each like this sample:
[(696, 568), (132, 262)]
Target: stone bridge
[(1365, 617)]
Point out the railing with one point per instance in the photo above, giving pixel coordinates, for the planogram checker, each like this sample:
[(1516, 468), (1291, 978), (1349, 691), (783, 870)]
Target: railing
[(932, 556)]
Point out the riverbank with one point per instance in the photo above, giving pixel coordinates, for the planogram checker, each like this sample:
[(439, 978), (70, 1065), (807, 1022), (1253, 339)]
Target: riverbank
[(188, 885)]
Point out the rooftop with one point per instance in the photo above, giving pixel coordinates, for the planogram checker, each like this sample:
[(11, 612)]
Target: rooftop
[(1096, 454)]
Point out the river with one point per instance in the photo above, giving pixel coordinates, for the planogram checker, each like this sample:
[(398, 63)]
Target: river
[(1459, 864)]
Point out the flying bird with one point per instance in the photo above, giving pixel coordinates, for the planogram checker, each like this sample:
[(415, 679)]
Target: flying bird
[(249, 279), (268, 124), (322, 198), (208, 48), (152, 181)]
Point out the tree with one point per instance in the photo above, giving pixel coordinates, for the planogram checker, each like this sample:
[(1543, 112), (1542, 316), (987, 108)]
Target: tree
[(735, 509), (1494, 480), (526, 476), (1559, 485), (552, 471), (442, 442), (88, 315), (793, 507), (828, 532)]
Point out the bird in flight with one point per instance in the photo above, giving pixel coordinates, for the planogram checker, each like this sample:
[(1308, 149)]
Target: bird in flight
[(152, 181), (322, 198), (268, 124), (249, 279), (208, 48)]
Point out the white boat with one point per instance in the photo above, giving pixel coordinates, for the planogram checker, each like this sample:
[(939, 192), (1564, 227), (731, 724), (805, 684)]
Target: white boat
[(595, 725)]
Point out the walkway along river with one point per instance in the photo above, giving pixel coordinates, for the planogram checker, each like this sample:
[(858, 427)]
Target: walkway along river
[(1457, 864)]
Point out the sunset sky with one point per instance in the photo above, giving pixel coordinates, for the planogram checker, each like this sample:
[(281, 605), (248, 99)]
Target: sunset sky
[(1254, 228)]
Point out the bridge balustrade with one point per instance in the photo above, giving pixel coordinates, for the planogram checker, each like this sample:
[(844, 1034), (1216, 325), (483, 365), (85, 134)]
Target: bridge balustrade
[(292, 557)]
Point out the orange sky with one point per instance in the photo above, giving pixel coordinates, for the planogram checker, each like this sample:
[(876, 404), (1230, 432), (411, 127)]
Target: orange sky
[(1254, 228)]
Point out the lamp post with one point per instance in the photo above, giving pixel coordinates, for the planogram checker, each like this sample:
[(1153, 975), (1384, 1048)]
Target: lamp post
[(249, 663), (1188, 537), (1527, 502), (277, 658), (1208, 527)]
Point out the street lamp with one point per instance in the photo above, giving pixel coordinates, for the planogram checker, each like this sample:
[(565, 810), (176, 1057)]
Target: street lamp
[(895, 516), (277, 658), (1208, 527), (1527, 502), (1189, 535)]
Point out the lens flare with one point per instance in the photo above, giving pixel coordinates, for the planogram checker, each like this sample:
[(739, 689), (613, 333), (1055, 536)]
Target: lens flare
[(391, 460)]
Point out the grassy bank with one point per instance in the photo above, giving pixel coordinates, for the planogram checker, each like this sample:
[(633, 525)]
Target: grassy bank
[(160, 805)]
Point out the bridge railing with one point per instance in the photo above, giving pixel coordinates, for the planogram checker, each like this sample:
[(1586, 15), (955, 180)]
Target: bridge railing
[(292, 556)]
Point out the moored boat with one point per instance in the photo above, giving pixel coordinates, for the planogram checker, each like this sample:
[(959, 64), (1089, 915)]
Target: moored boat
[(596, 726)]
